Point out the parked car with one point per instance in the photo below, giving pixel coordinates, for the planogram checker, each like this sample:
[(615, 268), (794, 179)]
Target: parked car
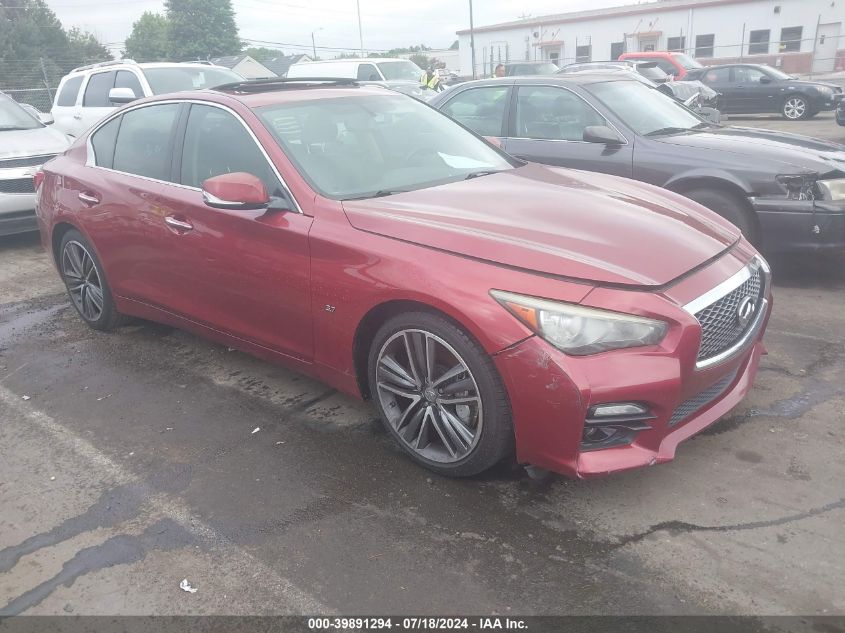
[(649, 70), (785, 192), (840, 112), (760, 89), (673, 63), (88, 93), (401, 75), (514, 69), (25, 144), (484, 304)]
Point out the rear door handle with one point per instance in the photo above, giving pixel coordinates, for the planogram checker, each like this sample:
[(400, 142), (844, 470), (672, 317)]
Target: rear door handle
[(181, 226), (89, 198)]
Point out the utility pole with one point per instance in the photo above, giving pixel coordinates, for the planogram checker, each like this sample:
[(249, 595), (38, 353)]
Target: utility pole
[(313, 45), (360, 32), (472, 39)]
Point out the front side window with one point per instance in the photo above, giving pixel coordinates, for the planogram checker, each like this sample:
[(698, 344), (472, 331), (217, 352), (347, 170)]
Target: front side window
[(144, 141), (481, 109), (373, 145), (127, 79), (103, 142), (368, 72), (790, 39), (543, 112), (686, 61), (704, 45), (748, 75), (97, 90), (68, 93), (217, 143), (177, 79), (758, 42), (645, 110)]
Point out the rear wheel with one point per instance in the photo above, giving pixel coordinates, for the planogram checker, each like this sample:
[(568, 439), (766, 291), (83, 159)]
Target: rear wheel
[(85, 282), (439, 395), (730, 206), (795, 108)]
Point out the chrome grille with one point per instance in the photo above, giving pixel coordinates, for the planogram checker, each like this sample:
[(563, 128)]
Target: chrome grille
[(17, 185), (720, 325), (701, 400), (28, 161)]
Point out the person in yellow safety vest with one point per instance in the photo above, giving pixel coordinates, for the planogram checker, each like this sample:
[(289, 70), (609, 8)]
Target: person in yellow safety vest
[(431, 80)]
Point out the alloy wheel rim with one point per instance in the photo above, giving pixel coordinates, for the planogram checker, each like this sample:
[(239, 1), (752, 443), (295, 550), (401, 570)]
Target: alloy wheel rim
[(795, 108), (429, 396), (82, 280)]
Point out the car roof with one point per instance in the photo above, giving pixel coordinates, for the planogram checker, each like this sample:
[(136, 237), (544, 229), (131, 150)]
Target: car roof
[(577, 79), (372, 60), (126, 64)]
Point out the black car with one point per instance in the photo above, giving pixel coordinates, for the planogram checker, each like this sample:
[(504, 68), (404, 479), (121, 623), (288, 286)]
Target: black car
[(784, 191), (840, 112), (759, 89)]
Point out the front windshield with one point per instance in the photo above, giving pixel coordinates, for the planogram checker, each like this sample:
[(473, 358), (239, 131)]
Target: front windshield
[(400, 70), (653, 72), (643, 109), (686, 61), (177, 79), (374, 145), (14, 117), (774, 73)]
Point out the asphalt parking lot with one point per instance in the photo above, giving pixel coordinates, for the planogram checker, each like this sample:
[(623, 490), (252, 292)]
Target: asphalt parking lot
[(133, 460)]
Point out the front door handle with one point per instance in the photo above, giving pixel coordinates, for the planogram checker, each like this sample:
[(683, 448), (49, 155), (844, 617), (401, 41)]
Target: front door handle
[(180, 225), (88, 198), (77, 116)]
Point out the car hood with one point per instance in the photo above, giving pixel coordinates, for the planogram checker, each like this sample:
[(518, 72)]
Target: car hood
[(801, 154), (573, 224), (803, 83), (35, 142)]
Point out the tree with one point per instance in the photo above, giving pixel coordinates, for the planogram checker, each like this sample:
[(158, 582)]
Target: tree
[(261, 53), (84, 48), (149, 40), (200, 29)]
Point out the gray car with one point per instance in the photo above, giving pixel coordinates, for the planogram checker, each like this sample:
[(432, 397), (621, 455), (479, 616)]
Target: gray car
[(25, 145), (786, 192)]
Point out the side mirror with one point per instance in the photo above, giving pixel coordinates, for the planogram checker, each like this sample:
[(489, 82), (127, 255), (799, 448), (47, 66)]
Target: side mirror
[(765, 79), (46, 118), (494, 141), (238, 191), (601, 134), (122, 95)]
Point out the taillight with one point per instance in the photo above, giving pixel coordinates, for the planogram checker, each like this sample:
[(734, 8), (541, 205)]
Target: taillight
[(38, 178)]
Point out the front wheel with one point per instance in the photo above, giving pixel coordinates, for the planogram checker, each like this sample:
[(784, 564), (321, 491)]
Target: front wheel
[(795, 108), (730, 206), (439, 395)]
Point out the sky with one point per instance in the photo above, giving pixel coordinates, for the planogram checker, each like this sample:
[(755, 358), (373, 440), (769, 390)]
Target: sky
[(288, 24)]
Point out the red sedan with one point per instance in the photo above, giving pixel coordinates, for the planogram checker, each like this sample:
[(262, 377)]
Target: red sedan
[(488, 307)]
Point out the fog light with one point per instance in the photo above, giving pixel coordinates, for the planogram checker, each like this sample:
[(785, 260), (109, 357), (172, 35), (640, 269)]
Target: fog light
[(614, 424)]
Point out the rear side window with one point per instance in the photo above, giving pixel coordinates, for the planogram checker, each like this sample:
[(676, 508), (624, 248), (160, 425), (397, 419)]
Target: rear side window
[(97, 91), (69, 91), (368, 72), (103, 141), (717, 76), (481, 109), (216, 143), (126, 79), (144, 139)]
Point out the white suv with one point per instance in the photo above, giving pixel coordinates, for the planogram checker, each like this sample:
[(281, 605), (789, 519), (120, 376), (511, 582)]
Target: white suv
[(88, 93)]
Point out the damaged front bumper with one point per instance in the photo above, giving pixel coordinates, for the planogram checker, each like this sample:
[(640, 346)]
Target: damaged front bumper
[(795, 225)]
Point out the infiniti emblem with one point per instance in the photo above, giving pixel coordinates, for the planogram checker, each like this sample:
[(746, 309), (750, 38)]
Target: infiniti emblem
[(745, 310)]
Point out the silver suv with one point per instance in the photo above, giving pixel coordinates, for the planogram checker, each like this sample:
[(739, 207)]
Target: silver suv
[(88, 93)]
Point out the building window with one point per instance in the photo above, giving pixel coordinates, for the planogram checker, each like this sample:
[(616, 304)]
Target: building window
[(790, 39), (584, 53), (704, 45), (758, 42), (616, 49), (676, 43)]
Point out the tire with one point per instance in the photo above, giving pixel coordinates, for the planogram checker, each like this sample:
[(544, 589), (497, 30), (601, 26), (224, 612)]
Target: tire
[(730, 206), (456, 439), (86, 284), (795, 108)]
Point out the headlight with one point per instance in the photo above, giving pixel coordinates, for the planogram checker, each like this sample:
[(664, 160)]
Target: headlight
[(799, 186), (828, 92), (832, 189), (578, 330)]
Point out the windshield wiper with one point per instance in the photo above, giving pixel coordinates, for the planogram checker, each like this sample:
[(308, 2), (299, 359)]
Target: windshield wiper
[(381, 193), (667, 130), (13, 128), (482, 172)]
